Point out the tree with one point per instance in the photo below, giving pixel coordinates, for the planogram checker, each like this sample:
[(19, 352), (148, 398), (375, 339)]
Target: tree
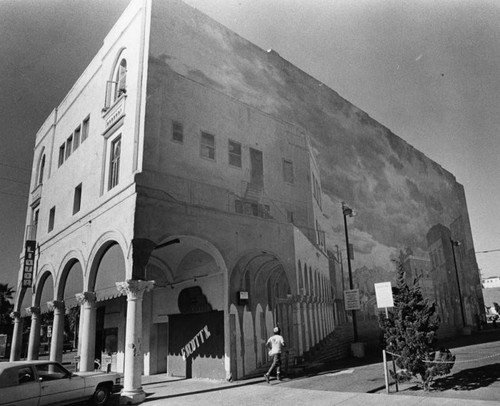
[(410, 332), (6, 307)]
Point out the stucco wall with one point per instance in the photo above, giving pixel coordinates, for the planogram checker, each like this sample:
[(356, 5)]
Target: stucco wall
[(398, 193)]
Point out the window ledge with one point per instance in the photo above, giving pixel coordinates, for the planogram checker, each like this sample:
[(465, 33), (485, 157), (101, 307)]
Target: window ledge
[(112, 115), (36, 195)]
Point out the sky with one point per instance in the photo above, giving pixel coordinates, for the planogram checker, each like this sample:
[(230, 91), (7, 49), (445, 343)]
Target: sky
[(426, 70)]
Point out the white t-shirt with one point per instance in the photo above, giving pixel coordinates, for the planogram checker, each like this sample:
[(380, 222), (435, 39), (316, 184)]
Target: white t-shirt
[(277, 343)]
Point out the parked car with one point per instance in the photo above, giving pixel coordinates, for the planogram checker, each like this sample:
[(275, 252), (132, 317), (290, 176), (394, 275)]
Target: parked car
[(67, 346), (38, 383)]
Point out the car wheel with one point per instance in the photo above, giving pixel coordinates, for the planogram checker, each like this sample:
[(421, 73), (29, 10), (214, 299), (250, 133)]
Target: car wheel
[(101, 395)]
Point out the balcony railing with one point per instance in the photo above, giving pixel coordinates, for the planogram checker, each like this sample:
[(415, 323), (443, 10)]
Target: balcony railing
[(36, 195), (114, 113)]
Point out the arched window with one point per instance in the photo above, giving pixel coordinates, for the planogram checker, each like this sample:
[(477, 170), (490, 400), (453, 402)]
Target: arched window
[(120, 79), (114, 165), (41, 169), (116, 86)]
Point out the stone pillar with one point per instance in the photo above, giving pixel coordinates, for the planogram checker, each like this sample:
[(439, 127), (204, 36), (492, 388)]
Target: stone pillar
[(34, 341), (87, 301), (132, 389), (17, 337), (56, 343)]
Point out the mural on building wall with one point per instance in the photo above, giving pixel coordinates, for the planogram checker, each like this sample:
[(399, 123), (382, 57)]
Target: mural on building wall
[(398, 193)]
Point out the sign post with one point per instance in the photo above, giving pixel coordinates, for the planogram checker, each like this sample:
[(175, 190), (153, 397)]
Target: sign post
[(351, 299)]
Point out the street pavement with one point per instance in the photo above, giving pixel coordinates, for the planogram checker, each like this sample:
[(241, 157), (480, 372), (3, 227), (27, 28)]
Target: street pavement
[(474, 381)]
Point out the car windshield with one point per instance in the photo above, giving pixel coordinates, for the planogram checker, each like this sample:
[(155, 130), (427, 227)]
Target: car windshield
[(52, 371)]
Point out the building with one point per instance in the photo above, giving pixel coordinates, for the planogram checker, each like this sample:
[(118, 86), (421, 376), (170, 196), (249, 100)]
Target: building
[(491, 282), (418, 270), (186, 192), (454, 270), (491, 295)]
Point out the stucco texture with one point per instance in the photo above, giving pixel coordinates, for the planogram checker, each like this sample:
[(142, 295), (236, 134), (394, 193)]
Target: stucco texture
[(397, 192)]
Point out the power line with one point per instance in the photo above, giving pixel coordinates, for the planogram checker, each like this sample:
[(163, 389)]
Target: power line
[(13, 194), (15, 167), (485, 252), (13, 180)]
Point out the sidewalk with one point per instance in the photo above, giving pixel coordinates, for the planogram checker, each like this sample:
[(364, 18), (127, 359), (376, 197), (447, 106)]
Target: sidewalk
[(163, 390), (348, 382)]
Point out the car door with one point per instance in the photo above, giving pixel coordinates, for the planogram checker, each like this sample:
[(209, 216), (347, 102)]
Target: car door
[(24, 389), (58, 385)]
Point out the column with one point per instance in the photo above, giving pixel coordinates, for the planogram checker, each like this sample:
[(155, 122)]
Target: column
[(87, 301), (56, 343), (132, 391), (298, 327), (17, 336), (34, 341)]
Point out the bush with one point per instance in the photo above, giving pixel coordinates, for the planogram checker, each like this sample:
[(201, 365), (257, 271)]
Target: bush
[(410, 333)]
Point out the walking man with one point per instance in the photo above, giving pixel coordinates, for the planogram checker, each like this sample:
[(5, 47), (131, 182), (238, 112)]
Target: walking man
[(276, 343)]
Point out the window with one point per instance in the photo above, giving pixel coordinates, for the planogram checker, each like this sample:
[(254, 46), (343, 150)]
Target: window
[(207, 146), (238, 206), (121, 79), (114, 167), (51, 371), (69, 146), (41, 170), (85, 129), (25, 375), (34, 222), (77, 199), (52, 216), (76, 138), (177, 132), (289, 216), (61, 153), (234, 154), (287, 171)]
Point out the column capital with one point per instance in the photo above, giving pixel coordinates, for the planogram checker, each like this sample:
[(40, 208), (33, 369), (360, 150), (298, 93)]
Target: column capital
[(15, 315), (33, 310), (133, 288), (86, 298), (56, 305)]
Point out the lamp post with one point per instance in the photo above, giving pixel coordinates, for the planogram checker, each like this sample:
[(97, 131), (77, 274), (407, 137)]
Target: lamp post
[(455, 243), (339, 260), (348, 212)]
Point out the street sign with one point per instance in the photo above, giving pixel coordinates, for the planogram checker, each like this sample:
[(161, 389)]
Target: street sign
[(351, 299), (383, 294)]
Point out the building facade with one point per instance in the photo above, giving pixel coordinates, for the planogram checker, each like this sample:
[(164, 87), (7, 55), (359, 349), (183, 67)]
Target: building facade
[(186, 193)]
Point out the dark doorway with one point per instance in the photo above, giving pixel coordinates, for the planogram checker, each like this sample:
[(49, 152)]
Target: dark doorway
[(256, 167)]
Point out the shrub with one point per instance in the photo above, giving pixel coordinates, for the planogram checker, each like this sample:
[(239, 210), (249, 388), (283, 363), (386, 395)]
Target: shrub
[(410, 332)]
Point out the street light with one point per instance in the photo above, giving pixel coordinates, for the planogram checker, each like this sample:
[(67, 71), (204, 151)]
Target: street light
[(455, 243), (339, 260), (348, 212)]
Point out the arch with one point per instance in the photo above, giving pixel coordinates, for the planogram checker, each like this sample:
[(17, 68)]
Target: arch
[(45, 273), (248, 334), (260, 335), (117, 79), (19, 299), (40, 168), (189, 268), (236, 367), (299, 278), (263, 274), (72, 257), (102, 244)]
